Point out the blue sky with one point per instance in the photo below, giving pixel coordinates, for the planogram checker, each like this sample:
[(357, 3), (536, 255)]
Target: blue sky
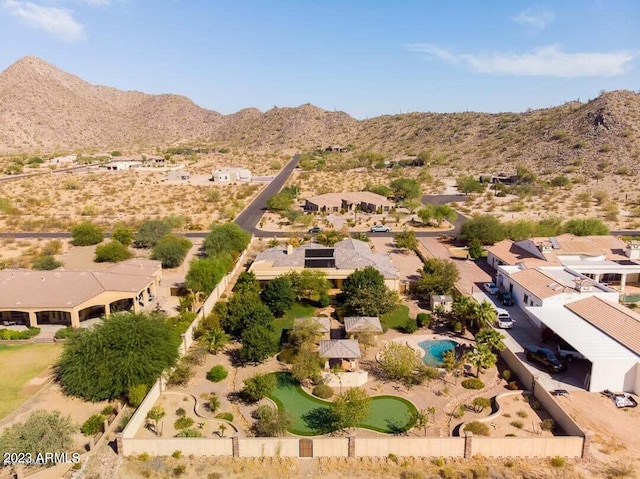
[(364, 57)]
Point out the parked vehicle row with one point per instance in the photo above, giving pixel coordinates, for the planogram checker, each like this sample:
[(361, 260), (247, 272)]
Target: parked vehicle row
[(545, 357)]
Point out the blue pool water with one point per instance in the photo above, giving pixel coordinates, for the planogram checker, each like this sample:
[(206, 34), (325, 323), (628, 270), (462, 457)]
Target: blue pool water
[(434, 349)]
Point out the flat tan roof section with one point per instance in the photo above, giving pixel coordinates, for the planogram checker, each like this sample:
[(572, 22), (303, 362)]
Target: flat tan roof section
[(614, 320)]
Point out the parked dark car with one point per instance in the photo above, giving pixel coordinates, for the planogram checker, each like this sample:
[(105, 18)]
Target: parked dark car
[(544, 356), (506, 299), (315, 229)]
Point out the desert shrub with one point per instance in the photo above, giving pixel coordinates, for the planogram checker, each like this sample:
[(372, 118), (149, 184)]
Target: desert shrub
[(323, 391), (548, 425), (513, 385), (423, 320), (476, 427), (457, 327), (171, 250), (227, 416), (93, 425), (136, 394), (183, 422), (45, 263), (178, 470), (557, 461), (472, 383), (180, 375), (85, 234), (217, 373), (16, 335), (506, 374), (181, 412), (108, 410), (517, 424), (112, 252), (65, 333), (287, 355), (190, 432), (409, 327), (523, 414)]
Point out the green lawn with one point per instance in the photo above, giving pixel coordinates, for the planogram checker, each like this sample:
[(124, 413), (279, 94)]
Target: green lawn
[(395, 319), (21, 363), (299, 310), (311, 415)]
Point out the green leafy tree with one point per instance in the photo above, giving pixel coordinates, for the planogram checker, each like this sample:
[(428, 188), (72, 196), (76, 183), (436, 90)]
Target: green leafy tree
[(246, 283), (171, 250), (351, 408), (365, 294), (438, 213), (155, 414), (406, 188), (406, 240), (280, 202), (475, 249), (329, 238), (243, 311), (304, 334), (308, 283), (226, 238), (469, 184), (485, 228), (122, 234), (112, 252), (306, 365), (45, 263), (258, 343), (481, 357), (381, 190), (86, 234), (271, 422), (150, 232), (278, 295), (586, 227), (438, 276), (205, 274), (127, 349), (42, 431), (480, 404), (258, 386), (399, 362)]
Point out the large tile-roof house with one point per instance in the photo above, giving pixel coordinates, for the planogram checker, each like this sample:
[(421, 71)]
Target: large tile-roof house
[(70, 297), (602, 258), (362, 200), (338, 261), (231, 174)]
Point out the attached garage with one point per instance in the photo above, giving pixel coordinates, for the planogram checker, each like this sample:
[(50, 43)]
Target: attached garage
[(606, 333)]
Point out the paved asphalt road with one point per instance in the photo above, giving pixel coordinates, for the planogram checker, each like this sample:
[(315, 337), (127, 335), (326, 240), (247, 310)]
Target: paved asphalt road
[(250, 217)]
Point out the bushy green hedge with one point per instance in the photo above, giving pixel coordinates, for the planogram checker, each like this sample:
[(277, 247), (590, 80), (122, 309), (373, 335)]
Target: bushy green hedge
[(478, 428), (472, 383), (13, 335), (93, 425), (65, 333), (183, 422), (323, 391), (423, 319)]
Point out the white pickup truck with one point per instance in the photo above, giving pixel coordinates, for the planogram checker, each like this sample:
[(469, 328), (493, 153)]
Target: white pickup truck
[(504, 319), (568, 352)]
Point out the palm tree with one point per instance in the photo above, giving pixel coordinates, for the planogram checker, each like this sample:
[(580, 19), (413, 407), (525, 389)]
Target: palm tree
[(481, 357), (451, 364), (215, 340), (421, 419), (491, 338), (214, 402), (485, 314)]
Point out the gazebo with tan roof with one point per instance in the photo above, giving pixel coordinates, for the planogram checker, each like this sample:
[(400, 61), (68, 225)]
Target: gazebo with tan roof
[(343, 353)]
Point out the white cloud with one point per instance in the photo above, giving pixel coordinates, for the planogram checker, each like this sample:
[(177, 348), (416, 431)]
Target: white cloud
[(57, 21), (544, 61), (537, 18), (95, 3)]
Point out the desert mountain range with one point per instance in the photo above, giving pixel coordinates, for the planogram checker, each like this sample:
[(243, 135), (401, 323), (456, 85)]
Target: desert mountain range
[(43, 109)]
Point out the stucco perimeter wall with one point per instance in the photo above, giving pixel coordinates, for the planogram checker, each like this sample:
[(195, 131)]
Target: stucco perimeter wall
[(526, 446), (268, 447), (139, 417), (410, 446), (330, 447), (516, 367), (559, 415), (188, 446)]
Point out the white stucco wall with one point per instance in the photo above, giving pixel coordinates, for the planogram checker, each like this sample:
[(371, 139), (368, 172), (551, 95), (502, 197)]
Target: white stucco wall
[(615, 375)]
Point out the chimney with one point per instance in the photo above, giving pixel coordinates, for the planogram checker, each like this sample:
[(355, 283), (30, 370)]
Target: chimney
[(633, 250), (289, 249)]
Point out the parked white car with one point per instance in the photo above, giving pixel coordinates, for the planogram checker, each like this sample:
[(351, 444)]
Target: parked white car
[(380, 229), (504, 319), (568, 352), (490, 288)]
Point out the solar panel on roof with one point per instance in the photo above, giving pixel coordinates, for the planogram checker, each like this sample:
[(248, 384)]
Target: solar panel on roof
[(320, 263), (319, 253), (554, 243)]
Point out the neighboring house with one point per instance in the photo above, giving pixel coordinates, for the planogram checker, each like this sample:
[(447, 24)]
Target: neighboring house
[(547, 285), (324, 325), (337, 262), (444, 301), (362, 324), (335, 149), (336, 202), (64, 160), (606, 333), (122, 165), (341, 353), (70, 297), (605, 259), (231, 174), (178, 175)]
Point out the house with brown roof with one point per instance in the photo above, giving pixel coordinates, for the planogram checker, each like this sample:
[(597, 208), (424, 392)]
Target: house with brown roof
[(606, 333), (70, 297), (604, 259)]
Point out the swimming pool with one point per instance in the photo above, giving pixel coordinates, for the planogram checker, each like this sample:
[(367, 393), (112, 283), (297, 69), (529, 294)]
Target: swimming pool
[(434, 349)]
